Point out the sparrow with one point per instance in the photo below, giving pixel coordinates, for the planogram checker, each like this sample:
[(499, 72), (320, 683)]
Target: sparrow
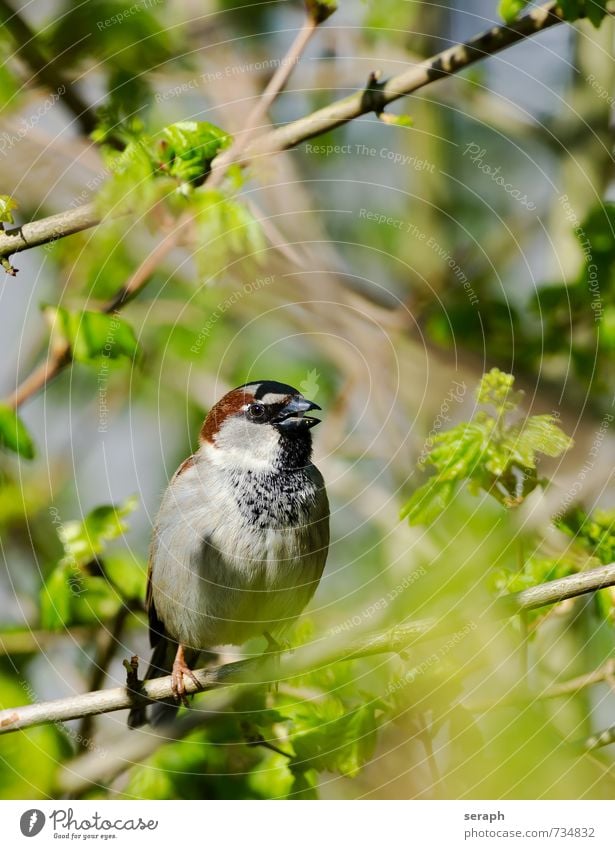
[(241, 537)]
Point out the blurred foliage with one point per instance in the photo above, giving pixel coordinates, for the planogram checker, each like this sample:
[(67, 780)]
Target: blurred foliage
[(84, 588), (14, 434), (7, 205), (92, 336), (402, 724), (575, 319)]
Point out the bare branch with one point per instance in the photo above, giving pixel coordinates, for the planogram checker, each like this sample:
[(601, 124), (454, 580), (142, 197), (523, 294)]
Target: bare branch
[(561, 589), (276, 84), (375, 98), (49, 229)]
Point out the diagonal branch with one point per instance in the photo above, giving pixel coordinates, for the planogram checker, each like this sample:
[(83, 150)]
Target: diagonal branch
[(263, 670), (373, 99), (257, 670), (46, 230)]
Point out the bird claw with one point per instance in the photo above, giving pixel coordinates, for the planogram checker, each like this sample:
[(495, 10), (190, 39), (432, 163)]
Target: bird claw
[(178, 685)]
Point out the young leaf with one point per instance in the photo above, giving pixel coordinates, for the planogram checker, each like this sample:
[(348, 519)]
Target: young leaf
[(509, 10), (84, 540), (92, 336), (428, 502), (7, 205), (13, 433), (488, 453), (342, 744), (185, 150), (594, 10), (57, 594)]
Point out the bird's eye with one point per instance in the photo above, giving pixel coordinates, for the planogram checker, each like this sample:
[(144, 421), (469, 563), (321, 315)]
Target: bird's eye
[(256, 412)]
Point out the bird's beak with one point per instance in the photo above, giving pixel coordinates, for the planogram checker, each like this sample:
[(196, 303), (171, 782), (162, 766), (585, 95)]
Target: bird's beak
[(292, 416)]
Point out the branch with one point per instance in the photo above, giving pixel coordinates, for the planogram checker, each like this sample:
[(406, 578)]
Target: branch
[(255, 670), (561, 589), (598, 740), (374, 99), (261, 670), (276, 84)]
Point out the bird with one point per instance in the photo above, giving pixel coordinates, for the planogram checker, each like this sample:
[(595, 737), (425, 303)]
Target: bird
[(241, 537)]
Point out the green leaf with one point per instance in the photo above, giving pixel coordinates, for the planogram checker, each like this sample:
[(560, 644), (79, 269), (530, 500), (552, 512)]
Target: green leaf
[(185, 150), (57, 594), (496, 390), (571, 9), (7, 205), (84, 540), (488, 453), (98, 601), (593, 532), (538, 435), (509, 10), (92, 336), (428, 502), (126, 574), (13, 433), (70, 594), (342, 744), (224, 226), (594, 10)]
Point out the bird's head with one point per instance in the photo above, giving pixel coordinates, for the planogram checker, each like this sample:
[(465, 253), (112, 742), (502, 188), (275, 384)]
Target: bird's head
[(261, 424)]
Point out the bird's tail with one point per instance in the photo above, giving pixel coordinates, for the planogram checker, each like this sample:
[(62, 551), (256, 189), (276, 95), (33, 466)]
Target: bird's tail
[(161, 664)]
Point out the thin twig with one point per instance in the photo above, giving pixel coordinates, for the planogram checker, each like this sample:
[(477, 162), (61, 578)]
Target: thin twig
[(46, 230), (276, 84)]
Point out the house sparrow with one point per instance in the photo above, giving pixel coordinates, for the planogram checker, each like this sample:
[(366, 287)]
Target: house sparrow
[(241, 538)]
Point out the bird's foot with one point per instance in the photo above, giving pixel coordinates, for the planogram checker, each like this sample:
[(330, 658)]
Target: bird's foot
[(179, 670)]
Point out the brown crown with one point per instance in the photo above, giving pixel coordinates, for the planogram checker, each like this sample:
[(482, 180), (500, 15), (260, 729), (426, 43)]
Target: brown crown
[(227, 406)]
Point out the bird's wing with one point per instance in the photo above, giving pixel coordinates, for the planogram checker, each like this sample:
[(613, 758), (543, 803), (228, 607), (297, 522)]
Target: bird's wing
[(156, 625)]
